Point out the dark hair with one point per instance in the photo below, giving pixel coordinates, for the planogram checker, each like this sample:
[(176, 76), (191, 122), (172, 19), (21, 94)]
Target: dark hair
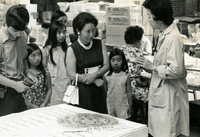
[(161, 9), (57, 14), (82, 19), (55, 27), (46, 25), (114, 52), (17, 16), (133, 34), (31, 47)]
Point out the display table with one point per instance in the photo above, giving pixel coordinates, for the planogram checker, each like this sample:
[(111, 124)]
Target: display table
[(67, 121)]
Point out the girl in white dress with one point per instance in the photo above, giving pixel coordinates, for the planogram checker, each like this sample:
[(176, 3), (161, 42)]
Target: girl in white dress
[(54, 56), (117, 85)]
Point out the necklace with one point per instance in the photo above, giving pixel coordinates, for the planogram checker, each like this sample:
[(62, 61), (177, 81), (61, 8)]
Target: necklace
[(85, 47)]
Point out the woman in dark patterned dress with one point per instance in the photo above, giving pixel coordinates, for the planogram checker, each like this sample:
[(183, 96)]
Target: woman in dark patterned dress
[(88, 57)]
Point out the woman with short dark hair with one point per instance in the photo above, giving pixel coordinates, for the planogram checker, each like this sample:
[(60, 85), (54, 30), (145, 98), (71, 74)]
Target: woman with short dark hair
[(88, 57), (168, 93)]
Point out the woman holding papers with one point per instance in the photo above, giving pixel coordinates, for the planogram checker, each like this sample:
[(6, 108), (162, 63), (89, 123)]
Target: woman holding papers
[(89, 58), (168, 95)]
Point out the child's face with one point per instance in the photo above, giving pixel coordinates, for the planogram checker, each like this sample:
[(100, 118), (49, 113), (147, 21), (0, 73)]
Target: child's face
[(61, 35), (13, 32), (116, 63), (63, 20), (35, 58)]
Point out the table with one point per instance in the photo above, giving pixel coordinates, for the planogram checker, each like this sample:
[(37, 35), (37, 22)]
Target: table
[(48, 122)]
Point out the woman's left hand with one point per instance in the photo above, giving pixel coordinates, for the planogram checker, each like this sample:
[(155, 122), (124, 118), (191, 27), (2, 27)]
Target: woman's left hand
[(89, 78), (98, 82), (145, 63)]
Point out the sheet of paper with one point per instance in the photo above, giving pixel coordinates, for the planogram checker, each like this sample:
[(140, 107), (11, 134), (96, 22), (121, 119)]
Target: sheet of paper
[(43, 122)]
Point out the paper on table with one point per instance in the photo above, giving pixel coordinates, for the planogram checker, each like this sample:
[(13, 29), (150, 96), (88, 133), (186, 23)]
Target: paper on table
[(42, 122)]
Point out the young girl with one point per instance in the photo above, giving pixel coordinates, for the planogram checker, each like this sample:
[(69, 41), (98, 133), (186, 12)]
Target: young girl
[(54, 58), (39, 94), (118, 86), (60, 16)]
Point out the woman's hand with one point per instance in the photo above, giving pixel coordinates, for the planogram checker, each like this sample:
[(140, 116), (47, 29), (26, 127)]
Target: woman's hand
[(98, 82), (89, 78), (145, 63)]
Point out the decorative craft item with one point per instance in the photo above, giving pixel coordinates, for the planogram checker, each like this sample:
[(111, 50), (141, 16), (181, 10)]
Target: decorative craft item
[(86, 121)]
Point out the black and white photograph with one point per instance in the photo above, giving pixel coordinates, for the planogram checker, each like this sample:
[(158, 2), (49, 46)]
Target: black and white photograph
[(99, 68)]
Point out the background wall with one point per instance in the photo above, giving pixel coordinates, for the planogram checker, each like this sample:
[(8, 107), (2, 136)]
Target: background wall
[(191, 6), (178, 7)]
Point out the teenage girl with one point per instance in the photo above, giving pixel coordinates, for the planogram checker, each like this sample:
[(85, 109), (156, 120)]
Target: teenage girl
[(117, 85), (60, 16), (39, 94), (54, 58)]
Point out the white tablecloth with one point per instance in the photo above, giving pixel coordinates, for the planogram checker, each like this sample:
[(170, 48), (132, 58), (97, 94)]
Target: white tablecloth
[(43, 122)]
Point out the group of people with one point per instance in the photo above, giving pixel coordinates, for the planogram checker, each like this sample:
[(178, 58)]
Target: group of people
[(31, 77)]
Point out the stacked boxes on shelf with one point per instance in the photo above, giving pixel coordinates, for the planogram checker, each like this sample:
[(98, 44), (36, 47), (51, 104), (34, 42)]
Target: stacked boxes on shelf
[(118, 18), (148, 31), (113, 18), (37, 33), (32, 9), (100, 13), (13, 2), (101, 17), (36, 30), (97, 9), (3, 10)]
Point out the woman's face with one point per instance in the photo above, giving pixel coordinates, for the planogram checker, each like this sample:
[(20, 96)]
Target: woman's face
[(87, 33), (61, 35), (154, 24), (63, 20)]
